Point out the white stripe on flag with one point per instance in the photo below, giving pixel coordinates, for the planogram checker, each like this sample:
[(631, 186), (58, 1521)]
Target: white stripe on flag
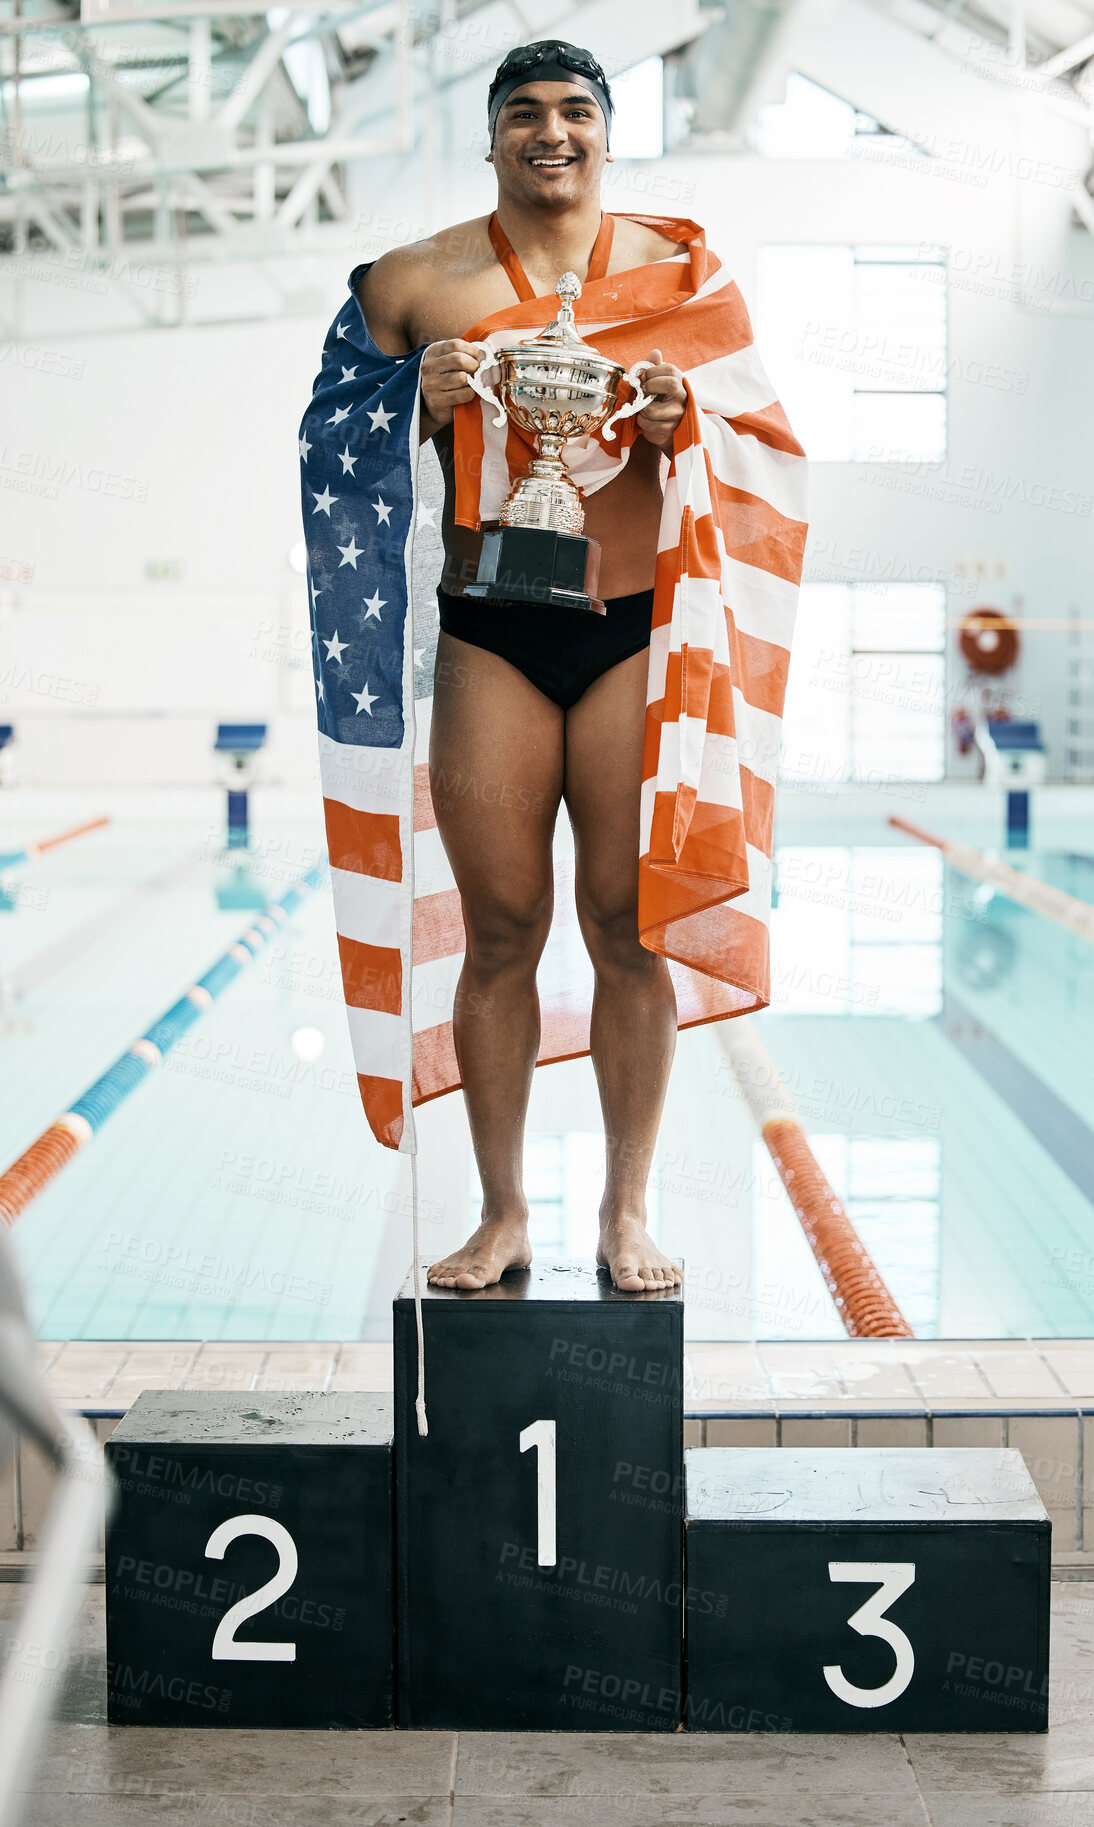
[(378, 1042), (743, 461), (366, 779), (757, 738), (763, 605), (369, 910), (732, 384)]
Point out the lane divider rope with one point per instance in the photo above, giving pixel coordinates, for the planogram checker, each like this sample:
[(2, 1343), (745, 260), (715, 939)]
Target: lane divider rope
[(862, 1299), (1052, 903), (12, 857), (74, 1128)]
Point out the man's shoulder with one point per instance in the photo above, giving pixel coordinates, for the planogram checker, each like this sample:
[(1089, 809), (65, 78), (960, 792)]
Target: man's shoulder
[(641, 243), (452, 252)]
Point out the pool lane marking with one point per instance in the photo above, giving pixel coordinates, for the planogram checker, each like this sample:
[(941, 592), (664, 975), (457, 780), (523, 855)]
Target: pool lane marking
[(1052, 903), (56, 957), (12, 857), (863, 1301), (1061, 1131), (74, 1128)]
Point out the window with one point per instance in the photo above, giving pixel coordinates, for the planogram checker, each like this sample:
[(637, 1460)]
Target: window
[(563, 1181), (865, 698), (854, 339), (638, 99), (812, 123), (857, 931)]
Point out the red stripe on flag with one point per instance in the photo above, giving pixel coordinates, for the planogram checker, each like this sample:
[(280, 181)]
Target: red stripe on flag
[(372, 975), (757, 534), (366, 843), (383, 1104)]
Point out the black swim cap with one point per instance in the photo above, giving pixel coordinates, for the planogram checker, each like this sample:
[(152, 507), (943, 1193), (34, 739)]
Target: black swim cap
[(548, 60)]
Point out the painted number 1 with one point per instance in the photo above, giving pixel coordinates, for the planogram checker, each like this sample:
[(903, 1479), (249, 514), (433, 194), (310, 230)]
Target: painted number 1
[(891, 1578), (541, 1435)]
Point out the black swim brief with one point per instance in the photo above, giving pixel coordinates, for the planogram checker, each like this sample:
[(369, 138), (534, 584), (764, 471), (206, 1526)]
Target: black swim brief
[(561, 651)]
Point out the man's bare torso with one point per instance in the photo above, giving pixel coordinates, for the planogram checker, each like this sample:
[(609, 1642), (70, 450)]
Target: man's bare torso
[(437, 289)]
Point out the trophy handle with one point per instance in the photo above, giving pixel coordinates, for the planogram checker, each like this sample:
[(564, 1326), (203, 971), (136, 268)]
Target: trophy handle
[(486, 360), (640, 401)]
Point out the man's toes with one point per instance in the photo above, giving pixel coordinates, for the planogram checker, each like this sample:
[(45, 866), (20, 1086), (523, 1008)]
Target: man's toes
[(474, 1275), (627, 1275)]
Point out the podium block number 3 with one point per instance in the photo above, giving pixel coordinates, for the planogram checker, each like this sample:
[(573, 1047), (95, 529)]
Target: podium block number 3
[(541, 1435), (892, 1578), (225, 1647)]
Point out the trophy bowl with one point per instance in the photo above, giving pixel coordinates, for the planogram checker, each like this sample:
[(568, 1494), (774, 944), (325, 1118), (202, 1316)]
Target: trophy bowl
[(554, 387)]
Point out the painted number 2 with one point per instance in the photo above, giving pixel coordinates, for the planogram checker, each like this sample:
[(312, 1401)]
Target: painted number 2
[(225, 1647), (541, 1435), (891, 1578)]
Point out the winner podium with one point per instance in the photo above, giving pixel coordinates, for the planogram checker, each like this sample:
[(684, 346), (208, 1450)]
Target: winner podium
[(553, 1562), (539, 1523)]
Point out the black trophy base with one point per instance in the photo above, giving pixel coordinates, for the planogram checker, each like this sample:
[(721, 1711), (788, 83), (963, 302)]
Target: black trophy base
[(538, 565)]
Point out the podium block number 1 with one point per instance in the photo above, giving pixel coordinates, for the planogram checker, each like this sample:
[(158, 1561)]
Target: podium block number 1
[(225, 1646), (891, 1578), (541, 1435)]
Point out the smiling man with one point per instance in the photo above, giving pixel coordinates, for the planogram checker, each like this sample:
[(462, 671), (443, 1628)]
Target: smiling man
[(567, 707)]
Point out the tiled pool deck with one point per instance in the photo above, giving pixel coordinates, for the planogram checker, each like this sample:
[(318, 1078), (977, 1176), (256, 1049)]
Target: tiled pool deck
[(1033, 1394)]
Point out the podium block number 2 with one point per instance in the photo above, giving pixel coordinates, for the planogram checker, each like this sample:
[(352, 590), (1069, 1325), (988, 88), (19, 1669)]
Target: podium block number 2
[(891, 1578), (225, 1647), (541, 1435)]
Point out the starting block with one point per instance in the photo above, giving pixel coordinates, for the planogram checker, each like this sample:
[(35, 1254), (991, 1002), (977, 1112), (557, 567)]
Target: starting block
[(872, 1590), (539, 1522), (248, 1561)]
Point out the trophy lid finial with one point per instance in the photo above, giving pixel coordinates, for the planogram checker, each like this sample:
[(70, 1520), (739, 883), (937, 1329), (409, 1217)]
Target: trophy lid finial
[(561, 329)]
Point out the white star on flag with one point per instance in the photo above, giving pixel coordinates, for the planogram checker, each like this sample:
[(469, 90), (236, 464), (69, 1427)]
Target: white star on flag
[(349, 373), (347, 461), (324, 502), (374, 604), (365, 699), (314, 593), (381, 419), (419, 655), (350, 553), (319, 686), (341, 337), (340, 413), (426, 516), (382, 511), (335, 648), (305, 447)]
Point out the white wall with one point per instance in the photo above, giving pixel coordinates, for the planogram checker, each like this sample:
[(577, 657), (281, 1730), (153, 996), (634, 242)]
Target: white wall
[(197, 426)]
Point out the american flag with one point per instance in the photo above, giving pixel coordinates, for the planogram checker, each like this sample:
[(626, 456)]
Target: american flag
[(730, 551)]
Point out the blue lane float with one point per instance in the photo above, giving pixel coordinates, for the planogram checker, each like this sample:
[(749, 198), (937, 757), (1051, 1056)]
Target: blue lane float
[(55, 1147)]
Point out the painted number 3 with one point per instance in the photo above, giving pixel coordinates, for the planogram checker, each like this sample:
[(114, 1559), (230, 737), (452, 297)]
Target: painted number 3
[(891, 1578)]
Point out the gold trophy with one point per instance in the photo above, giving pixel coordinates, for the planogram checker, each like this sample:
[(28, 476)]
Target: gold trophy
[(558, 388)]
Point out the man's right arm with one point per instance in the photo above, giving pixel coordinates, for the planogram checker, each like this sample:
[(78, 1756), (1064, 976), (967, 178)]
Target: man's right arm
[(388, 295)]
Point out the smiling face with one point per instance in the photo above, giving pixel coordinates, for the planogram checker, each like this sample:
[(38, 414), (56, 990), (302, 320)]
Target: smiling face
[(550, 143)]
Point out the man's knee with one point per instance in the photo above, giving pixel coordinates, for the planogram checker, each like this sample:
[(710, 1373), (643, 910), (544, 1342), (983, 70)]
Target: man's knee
[(503, 934), (611, 935)]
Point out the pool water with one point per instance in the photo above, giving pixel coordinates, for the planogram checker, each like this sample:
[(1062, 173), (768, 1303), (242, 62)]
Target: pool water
[(936, 1039)]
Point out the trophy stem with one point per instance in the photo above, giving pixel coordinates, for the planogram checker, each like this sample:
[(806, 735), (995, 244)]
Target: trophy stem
[(546, 495)]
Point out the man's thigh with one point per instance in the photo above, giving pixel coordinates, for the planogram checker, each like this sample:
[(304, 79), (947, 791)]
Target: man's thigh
[(602, 785), (495, 768)]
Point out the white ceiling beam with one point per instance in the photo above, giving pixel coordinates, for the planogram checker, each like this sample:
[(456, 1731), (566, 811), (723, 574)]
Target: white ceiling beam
[(257, 74), (1065, 60), (302, 192)]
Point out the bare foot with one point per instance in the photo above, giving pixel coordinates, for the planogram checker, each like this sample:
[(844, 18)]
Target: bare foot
[(633, 1259), (497, 1245)]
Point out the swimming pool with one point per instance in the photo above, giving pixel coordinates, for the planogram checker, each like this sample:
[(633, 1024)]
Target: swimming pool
[(935, 1037)]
